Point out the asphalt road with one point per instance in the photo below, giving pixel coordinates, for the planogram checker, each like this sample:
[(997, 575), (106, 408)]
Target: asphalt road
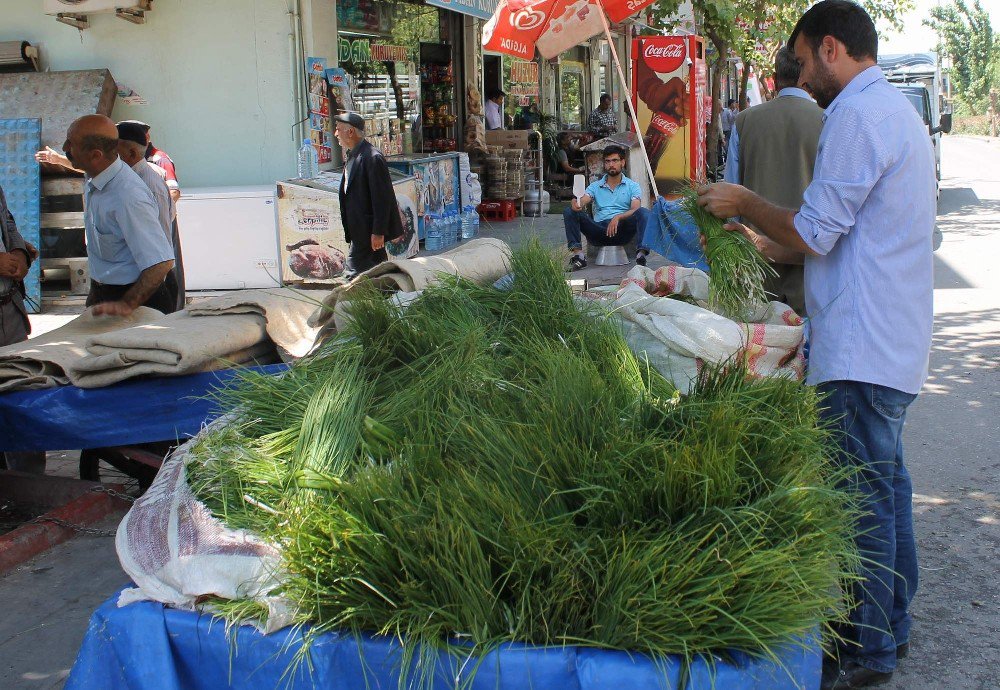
[(951, 439)]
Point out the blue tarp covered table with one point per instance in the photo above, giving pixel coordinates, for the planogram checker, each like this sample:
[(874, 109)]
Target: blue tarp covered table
[(127, 413), (145, 646)]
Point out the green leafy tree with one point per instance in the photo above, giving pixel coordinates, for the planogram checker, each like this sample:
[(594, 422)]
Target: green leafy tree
[(968, 39)]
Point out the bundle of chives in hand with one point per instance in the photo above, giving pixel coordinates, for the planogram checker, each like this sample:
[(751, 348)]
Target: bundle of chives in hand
[(738, 270)]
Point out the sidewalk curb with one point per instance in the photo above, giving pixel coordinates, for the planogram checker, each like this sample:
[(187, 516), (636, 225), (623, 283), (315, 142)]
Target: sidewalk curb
[(31, 539)]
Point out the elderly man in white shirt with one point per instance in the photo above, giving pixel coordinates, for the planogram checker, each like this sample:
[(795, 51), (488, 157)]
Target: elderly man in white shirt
[(128, 253), (132, 150)]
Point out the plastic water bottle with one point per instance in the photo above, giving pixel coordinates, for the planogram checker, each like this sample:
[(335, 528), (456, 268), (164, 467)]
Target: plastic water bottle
[(432, 233), (470, 219), (308, 160), (449, 229), (455, 226)]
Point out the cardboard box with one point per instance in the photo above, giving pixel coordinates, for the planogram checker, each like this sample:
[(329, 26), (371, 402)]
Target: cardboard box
[(510, 138)]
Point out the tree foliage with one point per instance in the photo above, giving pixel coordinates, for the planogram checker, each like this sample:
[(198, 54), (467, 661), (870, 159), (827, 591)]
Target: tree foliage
[(968, 39), (753, 30)]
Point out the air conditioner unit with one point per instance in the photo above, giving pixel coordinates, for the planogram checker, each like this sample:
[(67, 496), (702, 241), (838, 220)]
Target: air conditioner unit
[(74, 12)]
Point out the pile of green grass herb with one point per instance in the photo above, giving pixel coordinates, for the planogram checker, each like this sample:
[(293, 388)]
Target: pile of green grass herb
[(492, 466), (737, 270)]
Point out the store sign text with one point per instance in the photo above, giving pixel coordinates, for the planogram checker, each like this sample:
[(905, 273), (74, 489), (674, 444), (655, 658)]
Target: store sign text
[(522, 72), (483, 9), (362, 50)]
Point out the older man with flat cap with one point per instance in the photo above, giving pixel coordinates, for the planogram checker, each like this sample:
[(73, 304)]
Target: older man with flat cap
[(132, 149), (129, 255), (367, 200)]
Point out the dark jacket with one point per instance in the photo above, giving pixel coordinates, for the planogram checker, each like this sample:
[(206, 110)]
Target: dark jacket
[(12, 240), (368, 204)]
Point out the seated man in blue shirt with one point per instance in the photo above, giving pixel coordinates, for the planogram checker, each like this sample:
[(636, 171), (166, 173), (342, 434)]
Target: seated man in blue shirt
[(618, 212)]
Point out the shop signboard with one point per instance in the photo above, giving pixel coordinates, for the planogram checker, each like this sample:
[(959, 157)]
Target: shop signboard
[(669, 86), (483, 9), (362, 15), (363, 50)]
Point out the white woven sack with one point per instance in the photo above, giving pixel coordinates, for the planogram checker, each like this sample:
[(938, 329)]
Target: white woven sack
[(678, 338), (177, 552)]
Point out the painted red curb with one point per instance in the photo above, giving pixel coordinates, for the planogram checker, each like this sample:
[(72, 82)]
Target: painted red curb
[(29, 540)]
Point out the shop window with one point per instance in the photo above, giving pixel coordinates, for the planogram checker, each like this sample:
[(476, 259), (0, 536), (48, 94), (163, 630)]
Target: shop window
[(380, 47), (572, 92)]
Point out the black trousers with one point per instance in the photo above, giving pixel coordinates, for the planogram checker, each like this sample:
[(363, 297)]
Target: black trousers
[(361, 256), (162, 300)]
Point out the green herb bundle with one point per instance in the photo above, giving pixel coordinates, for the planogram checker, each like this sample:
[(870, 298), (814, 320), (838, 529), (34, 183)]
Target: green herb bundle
[(737, 270), (493, 466)]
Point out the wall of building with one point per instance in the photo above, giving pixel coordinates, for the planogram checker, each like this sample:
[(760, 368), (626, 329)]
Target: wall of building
[(216, 74)]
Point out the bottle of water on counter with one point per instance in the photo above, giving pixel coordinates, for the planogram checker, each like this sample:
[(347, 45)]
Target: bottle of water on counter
[(448, 231), (455, 227), (470, 223), (432, 233), (308, 160)]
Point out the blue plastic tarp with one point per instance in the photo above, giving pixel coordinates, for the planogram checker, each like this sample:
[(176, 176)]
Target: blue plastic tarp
[(145, 646), (136, 411), (673, 234)]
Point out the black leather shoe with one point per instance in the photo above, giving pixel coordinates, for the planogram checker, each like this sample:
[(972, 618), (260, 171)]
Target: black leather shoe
[(640, 259), (853, 675)]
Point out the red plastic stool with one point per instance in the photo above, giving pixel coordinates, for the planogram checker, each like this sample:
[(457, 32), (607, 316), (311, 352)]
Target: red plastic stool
[(498, 211)]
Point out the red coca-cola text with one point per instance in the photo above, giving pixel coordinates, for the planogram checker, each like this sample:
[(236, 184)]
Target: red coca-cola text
[(664, 57)]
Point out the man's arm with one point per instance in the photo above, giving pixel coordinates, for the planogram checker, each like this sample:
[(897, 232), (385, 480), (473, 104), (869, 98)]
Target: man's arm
[(383, 200), (724, 200), (149, 282), (52, 157), (15, 262), (613, 225), (584, 200)]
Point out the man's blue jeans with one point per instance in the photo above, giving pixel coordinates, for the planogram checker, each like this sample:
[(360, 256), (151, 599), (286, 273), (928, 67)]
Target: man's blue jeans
[(580, 223), (869, 421)]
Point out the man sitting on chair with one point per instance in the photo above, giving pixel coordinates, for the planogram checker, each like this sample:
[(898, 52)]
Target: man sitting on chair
[(618, 212)]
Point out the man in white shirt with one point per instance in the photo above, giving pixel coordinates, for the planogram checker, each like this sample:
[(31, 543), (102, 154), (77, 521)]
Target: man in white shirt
[(127, 252), (132, 150), (494, 110)]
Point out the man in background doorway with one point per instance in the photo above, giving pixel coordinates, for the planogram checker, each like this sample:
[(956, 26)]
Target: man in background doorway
[(603, 121), (494, 109)]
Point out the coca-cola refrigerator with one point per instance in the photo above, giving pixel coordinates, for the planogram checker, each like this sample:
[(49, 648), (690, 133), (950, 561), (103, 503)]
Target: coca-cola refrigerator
[(669, 90)]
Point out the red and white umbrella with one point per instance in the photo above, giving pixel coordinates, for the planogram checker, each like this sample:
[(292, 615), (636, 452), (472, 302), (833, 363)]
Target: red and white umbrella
[(518, 27), (553, 26)]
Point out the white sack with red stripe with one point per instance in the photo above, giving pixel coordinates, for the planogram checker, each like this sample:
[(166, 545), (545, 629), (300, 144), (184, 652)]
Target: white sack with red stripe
[(678, 337)]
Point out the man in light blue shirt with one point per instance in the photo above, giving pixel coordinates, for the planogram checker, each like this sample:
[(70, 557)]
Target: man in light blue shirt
[(866, 227), (128, 254), (618, 212)]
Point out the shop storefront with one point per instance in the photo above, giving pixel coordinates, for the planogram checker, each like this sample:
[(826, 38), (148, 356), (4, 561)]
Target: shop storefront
[(402, 61)]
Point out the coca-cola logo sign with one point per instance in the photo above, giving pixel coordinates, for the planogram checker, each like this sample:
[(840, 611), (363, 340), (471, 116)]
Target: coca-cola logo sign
[(664, 57)]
